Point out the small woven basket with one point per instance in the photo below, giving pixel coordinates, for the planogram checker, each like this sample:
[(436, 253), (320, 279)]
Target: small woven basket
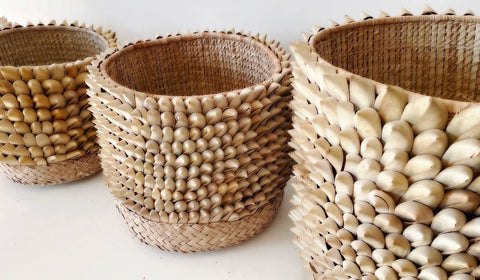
[(387, 144), (193, 132), (46, 132)]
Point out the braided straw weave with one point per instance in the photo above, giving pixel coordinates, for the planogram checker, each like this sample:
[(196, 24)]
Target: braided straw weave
[(387, 180), (46, 131), (193, 132)]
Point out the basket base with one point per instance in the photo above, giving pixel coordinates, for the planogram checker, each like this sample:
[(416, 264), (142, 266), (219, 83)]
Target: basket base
[(189, 238), (53, 174)]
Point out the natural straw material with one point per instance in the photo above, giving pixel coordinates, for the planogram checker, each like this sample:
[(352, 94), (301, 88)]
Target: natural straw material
[(386, 179), (46, 131), (193, 131)]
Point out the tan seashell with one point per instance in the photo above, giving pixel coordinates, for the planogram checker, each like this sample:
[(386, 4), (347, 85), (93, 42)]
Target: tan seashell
[(425, 113), (367, 122), (461, 277), (474, 186), (344, 183), (404, 268), (392, 182), (362, 92), (427, 192), (397, 135), (351, 163), (455, 177), (425, 256), (464, 122), (418, 235), (329, 109), (20, 87), (422, 167), (381, 201), (371, 235), (52, 86), (433, 142), (448, 220), (10, 73), (344, 202), (361, 248), (41, 73), (394, 160), (391, 103), (368, 169), (459, 263), (388, 223), (350, 141), (365, 263), (362, 189), (337, 86), (432, 273), (465, 152), (413, 211), (397, 244), (371, 147), (364, 211), (450, 243), (470, 229), (461, 199), (350, 222), (351, 269), (474, 249), (386, 273)]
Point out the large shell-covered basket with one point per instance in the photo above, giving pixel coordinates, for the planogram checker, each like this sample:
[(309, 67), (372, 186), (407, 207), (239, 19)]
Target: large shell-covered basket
[(46, 131), (387, 144), (193, 132)]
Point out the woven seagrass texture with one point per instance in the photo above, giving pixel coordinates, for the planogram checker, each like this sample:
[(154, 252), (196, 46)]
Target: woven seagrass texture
[(44, 118), (193, 130), (188, 238), (387, 176)]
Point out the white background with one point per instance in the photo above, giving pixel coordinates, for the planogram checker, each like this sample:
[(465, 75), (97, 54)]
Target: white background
[(73, 231)]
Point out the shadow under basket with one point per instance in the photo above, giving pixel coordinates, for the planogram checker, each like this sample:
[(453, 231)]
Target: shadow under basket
[(193, 135), (47, 135), (387, 144)]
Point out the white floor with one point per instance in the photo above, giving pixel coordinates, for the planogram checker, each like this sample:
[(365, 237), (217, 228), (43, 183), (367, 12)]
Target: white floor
[(74, 231)]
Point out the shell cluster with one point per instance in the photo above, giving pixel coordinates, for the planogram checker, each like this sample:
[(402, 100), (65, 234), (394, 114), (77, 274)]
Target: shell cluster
[(4, 22), (386, 181), (195, 159), (44, 116)]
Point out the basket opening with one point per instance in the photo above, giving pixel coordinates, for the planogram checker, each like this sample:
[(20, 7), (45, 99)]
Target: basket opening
[(44, 45), (197, 64), (435, 55)]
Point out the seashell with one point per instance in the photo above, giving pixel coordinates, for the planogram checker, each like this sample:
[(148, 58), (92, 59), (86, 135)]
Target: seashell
[(362, 189), (392, 182), (413, 211), (391, 103), (397, 244), (381, 201), (474, 186), (433, 142), (351, 163), (459, 263), (470, 229), (448, 220), (20, 87), (394, 160), (344, 202), (371, 147), (383, 257), (371, 235), (425, 256), (432, 273), (404, 268), (367, 122), (461, 277), (464, 122), (351, 269), (368, 169), (344, 183), (418, 235), (350, 141), (41, 73), (427, 192), (388, 223), (450, 243), (350, 222), (362, 92), (361, 248), (397, 135), (460, 199), (425, 113), (335, 156), (364, 212), (455, 176), (422, 167), (345, 115), (365, 263), (52, 86), (337, 86), (10, 73), (474, 249), (386, 273), (329, 109), (465, 152)]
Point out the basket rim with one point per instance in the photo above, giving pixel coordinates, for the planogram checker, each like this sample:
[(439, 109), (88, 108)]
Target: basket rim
[(108, 37), (108, 83), (453, 106)]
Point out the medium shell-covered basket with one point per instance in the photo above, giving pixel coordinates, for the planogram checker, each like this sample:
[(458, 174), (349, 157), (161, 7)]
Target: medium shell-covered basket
[(46, 131), (193, 132), (387, 144)]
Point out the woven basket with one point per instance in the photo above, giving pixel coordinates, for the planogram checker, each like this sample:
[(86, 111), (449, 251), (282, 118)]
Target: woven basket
[(193, 132), (46, 132), (386, 138)]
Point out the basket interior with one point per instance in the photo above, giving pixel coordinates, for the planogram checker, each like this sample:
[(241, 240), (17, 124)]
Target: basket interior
[(437, 56), (43, 45), (192, 65)]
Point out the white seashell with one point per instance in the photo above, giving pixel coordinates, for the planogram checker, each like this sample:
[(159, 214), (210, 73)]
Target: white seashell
[(413, 211), (367, 122), (450, 243), (432, 273), (397, 244), (432, 141), (449, 220), (350, 222), (345, 114), (474, 249), (381, 201), (425, 113), (362, 92), (337, 86), (366, 264), (350, 141), (371, 235), (461, 277), (362, 189), (465, 152), (329, 109), (351, 163), (383, 257), (392, 182), (320, 124), (427, 192), (425, 256), (344, 183), (332, 134), (472, 228), (368, 169), (361, 248), (388, 223), (418, 235), (404, 268), (394, 160), (474, 186), (385, 273), (351, 269), (344, 202), (459, 263), (397, 135), (422, 167), (364, 212), (371, 147), (391, 103), (463, 122), (461, 199), (455, 176), (335, 156)]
